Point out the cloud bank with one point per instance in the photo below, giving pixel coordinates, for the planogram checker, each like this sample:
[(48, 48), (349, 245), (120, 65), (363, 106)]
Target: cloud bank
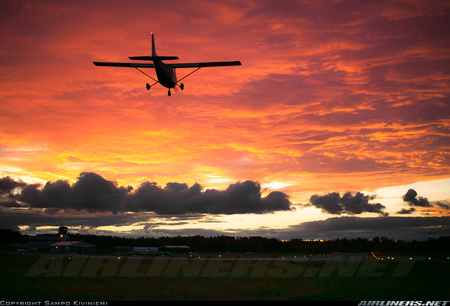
[(93, 193), (408, 228), (356, 204), (96, 205)]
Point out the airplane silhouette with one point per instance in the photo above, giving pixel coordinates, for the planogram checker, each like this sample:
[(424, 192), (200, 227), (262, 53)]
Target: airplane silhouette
[(165, 72)]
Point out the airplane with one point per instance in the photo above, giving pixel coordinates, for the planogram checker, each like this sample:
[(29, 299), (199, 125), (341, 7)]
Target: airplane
[(166, 75)]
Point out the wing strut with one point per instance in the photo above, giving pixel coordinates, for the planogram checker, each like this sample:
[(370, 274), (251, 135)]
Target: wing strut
[(146, 74), (188, 74)]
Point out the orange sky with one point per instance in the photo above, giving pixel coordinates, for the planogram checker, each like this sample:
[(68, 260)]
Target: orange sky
[(330, 97)]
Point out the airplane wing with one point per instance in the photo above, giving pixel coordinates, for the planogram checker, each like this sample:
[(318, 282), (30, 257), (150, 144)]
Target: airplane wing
[(177, 65), (205, 64), (132, 65)]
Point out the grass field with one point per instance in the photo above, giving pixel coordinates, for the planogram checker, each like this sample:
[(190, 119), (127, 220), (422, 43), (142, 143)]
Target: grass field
[(91, 278)]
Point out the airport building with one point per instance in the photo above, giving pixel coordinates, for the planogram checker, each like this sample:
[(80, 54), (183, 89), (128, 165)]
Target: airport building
[(59, 243), (146, 250), (79, 247), (175, 249), (42, 242)]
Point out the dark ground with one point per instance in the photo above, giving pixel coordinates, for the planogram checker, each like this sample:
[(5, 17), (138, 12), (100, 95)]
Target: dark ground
[(238, 279)]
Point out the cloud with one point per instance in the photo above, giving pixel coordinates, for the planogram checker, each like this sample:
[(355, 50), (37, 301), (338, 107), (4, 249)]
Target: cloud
[(7, 197), (413, 200), (443, 205), (328, 203), (93, 193), (358, 203), (7, 184), (405, 211), (239, 198), (407, 228)]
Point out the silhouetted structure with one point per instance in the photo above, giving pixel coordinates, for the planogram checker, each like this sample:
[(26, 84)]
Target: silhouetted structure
[(174, 249), (79, 247), (42, 242), (122, 250), (146, 250)]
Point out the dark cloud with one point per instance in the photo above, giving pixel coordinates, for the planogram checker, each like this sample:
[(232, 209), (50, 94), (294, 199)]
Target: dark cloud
[(443, 205), (240, 198), (7, 196), (93, 193), (328, 203), (405, 211), (9, 203), (7, 184), (408, 228), (36, 218), (413, 200), (358, 203)]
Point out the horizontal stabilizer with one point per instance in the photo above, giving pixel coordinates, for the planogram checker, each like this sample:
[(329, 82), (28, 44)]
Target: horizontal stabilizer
[(153, 58), (132, 65)]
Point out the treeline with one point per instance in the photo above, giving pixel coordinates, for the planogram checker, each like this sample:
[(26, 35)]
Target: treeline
[(254, 244)]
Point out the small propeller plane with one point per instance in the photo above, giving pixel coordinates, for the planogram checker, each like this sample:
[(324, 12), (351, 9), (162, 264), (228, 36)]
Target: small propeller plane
[(165, 72)]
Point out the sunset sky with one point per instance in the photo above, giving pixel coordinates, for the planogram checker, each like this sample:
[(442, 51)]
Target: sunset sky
[(336, 124)]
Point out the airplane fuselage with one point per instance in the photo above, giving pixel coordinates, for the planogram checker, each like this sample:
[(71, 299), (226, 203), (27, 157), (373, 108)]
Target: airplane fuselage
[(166, 75)]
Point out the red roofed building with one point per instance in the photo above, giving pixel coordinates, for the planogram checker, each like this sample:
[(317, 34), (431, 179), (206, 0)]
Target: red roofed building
[(79, 247)]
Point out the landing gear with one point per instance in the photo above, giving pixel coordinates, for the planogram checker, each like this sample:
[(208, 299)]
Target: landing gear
[(148, 86), (181, 86), (169, 93)]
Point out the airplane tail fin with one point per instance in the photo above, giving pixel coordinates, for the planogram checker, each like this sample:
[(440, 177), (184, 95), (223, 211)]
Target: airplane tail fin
[(153, 47), (154, 57)]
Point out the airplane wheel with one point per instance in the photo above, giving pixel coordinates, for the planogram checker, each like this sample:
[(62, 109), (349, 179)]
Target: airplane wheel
[(148, 86), (169, 93), (181, 86)]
